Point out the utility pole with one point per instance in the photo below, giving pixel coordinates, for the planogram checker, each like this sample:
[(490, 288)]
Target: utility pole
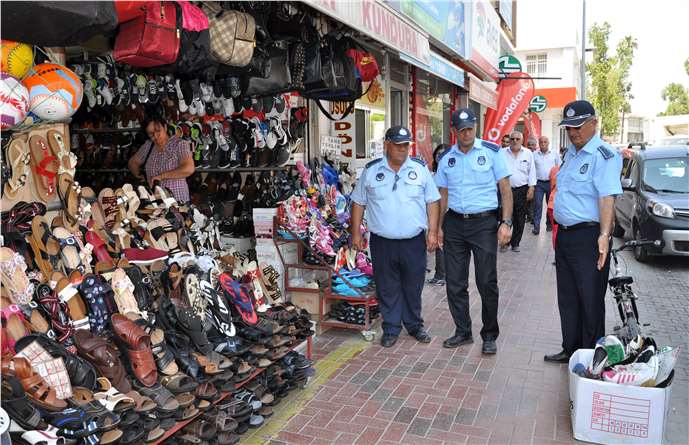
[(582, 91)]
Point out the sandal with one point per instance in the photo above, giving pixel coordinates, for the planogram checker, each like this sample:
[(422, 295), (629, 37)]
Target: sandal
[(13, 328), (111, 398), (201, 428), (70, 197), (13, 272), (19, 159), (165, 359), (193, 327), (83, 398), (103, 356), (206, 391), (163, 398), (45, 168), (67, 159), (217, 309), (242, 302), (35, 387), (209, 367), (138, 346), (57, 312), (100, 299), (69, 250), (123, 289), (178, 383), (179, 345), (69, 296), (110, 207), (16, 403), (144, 404)]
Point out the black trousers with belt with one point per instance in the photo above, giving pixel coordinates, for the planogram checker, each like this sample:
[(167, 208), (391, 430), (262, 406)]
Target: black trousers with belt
[(518, 213), (400, 271), (463, 237), (581, 287)]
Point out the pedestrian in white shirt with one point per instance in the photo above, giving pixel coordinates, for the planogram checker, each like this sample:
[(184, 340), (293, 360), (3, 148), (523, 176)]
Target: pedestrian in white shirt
[(544, 160), (523, 179)]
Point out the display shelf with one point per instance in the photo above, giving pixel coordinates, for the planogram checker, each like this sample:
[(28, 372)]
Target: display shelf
[(181, 424)]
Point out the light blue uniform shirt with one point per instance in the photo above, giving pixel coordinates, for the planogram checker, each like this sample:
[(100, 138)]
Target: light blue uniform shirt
[(471, 179), (585, 177), (399, 213)]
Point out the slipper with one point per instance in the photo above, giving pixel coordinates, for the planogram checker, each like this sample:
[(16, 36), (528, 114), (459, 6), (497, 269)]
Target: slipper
[(137, 344), (19, 158), (123, 289), (143, 404), (67, 159), (193, 327), (160, 395), (109, 204), (179, 383), (111, 398), (45, 168), (68, 294), (165, 359), (70, 198), (13, 272), (240, 300), (69, 250), (98, 247)]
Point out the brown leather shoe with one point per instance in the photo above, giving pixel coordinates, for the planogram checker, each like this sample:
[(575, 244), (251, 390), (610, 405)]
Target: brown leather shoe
[(138, 347)]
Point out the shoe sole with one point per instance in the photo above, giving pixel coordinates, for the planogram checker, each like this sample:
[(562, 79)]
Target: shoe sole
[(489, 352), (145, 262)]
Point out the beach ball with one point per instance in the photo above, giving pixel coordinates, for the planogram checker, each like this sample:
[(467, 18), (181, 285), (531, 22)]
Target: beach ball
[(14, 101), (55, 92), (16, 59)]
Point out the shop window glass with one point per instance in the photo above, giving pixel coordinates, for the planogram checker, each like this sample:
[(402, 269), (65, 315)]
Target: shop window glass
[(432, 106)]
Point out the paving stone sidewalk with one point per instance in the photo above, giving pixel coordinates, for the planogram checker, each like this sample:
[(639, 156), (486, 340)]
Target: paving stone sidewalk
[(425, 394)]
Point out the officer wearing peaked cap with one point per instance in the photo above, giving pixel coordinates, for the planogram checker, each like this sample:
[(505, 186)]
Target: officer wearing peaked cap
[(401, 203), (468, 177), (587, 183)]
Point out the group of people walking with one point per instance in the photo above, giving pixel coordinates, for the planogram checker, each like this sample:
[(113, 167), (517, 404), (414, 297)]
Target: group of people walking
[(476, 200)]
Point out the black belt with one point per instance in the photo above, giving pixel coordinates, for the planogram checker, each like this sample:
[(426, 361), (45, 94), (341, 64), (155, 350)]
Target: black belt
[(473, 215), (578, 226), (520, 187), (542, 180)]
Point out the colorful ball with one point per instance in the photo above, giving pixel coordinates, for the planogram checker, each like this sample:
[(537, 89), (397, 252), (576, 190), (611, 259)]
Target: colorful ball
[(14, 102), (55, 92), (16, 59)]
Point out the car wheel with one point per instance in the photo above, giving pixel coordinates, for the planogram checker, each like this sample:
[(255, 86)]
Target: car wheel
[(640, 253), (617, 231)]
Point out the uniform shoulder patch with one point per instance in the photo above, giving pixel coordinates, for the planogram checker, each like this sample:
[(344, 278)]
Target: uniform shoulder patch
[(490, 145), (373, 162), (606, 152), (419, 160), (447, 150)]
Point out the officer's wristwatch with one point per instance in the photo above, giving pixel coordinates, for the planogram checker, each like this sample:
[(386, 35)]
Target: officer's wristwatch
[(507, 222)]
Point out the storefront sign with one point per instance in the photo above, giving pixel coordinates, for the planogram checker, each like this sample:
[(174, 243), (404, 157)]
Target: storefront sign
[(485, 37), (538, 104), (532, 126), (375, 97), (444, 20), (514, 96), (505, 10), (331, 147), (507, 65), (380, 22), (441, 67), (482, 92), (343, 129)]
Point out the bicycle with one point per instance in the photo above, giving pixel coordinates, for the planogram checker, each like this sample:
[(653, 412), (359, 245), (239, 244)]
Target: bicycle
[(625, 298)]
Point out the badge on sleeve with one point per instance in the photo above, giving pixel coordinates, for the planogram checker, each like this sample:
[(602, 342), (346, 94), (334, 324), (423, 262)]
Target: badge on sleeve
[(451, 162), (584, 168), (380, 176), (412, 175), (481, 160)]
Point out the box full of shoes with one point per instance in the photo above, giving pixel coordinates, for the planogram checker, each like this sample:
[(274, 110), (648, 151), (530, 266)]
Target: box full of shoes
[(623, 404)]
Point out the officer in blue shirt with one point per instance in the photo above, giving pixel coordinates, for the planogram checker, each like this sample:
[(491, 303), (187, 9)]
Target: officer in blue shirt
[(468, 177), (401, 203), (587, 183)]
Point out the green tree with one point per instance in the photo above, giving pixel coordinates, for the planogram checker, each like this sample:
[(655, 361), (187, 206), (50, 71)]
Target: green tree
[(610, 88), (677, 96)]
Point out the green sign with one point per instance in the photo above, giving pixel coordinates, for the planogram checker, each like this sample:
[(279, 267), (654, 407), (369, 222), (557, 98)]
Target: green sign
[(538, 104), (508, 64)]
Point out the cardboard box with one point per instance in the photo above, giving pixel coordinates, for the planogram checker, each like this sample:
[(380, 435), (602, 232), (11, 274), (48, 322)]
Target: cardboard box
[(242, 245), (263, 222), (610, 413), (309, 301)]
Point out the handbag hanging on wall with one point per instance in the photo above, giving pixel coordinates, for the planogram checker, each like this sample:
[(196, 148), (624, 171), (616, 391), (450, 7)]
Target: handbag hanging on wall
[(232, 33)]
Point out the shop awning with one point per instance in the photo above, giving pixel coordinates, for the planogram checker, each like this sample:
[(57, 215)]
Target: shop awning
[(557, 97), (440, 67)]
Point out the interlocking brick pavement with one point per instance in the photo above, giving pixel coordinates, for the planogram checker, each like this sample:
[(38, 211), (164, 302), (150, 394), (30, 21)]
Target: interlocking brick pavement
[(425, 394)]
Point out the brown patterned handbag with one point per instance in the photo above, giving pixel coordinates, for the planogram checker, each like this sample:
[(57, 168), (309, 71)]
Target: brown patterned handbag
[(232, 35)]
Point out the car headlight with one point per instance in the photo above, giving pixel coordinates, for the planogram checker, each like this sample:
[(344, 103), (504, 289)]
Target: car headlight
[(662, 210)]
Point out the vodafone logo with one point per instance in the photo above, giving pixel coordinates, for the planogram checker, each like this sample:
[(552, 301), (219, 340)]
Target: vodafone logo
[(510, 107)]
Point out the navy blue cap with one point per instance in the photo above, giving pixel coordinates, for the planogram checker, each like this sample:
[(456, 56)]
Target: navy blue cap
[(398, 135), (576, 113), (463, 118)]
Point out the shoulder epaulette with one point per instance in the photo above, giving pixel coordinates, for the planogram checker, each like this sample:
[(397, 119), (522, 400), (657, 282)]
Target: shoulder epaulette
[(606, 152), (490, 145), (373, 162), (447, 150), (419, 160)]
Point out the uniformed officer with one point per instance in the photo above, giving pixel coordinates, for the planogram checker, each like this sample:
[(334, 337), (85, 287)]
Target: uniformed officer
[(401, 203), (587, 183), (467, 176)]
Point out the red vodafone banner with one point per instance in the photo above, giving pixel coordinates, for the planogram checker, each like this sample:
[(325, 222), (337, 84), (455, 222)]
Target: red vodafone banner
[(514, 96), (532, 126)]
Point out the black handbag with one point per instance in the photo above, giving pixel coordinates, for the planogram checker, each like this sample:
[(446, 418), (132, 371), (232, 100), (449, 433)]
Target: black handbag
[(286, 71)]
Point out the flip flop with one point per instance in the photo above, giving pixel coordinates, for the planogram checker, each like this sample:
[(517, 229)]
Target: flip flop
[(45, 168), (13, 272), (67, 159), (19, 158), (241, 301)]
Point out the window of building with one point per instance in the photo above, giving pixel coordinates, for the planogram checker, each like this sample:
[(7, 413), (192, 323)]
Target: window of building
[(537, 64)]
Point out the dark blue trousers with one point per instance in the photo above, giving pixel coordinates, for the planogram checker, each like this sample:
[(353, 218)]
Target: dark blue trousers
[(580, 288), (399, 270), (541, 191)]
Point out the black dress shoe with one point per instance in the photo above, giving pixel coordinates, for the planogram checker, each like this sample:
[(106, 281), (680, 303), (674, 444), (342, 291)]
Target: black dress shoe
[(489, 347), (422, 336), (388, 341), (560, 357), (548, 228), (458, 340)]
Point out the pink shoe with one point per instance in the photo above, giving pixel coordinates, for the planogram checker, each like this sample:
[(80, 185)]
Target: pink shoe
[(363, 264)]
